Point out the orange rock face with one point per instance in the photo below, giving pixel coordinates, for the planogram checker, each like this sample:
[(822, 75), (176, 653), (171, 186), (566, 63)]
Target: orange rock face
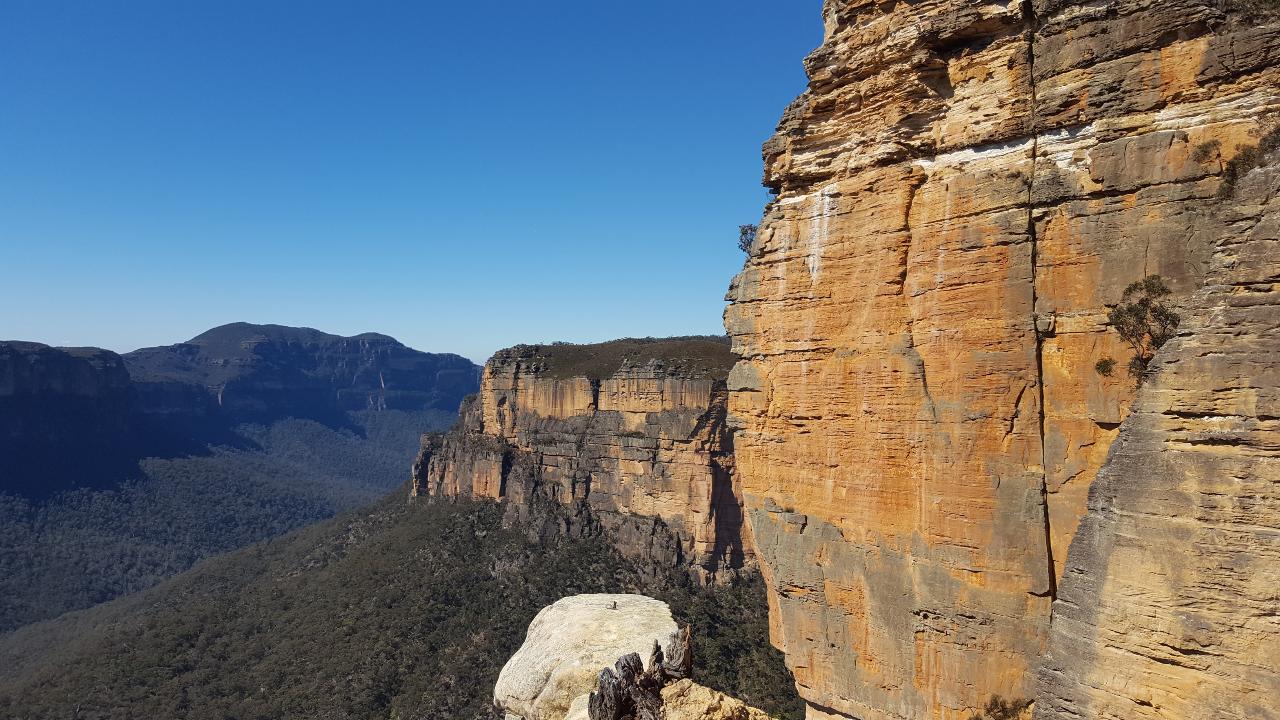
[(962, 190), (608, 440)]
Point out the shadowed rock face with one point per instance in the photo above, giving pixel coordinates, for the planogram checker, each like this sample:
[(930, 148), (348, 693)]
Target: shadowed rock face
[(962, 190), (628, 437), (66, 414)]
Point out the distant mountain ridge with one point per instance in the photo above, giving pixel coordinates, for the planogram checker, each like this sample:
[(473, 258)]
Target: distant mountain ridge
[(119, 471), (177, 399), (53, 400), (364, 372)]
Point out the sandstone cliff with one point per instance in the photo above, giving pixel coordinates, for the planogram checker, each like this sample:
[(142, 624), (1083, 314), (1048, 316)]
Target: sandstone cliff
[(961, 191), (627, 436), (1169, 604)]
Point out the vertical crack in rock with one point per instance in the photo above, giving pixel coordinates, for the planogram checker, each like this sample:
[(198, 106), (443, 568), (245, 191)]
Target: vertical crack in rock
[(1029, 18), (1168, 605), (910, 350), (924, 582)]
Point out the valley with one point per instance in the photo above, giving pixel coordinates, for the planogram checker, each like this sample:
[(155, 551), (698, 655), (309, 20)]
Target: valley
[(993, 432)]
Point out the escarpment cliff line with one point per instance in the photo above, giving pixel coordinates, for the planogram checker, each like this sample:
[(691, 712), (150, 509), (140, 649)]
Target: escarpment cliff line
[(961, 191), (627, 436), (53, 400)]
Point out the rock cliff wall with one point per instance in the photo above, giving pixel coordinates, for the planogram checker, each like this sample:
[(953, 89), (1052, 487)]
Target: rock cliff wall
[(1168, 607), (629, 436), (961, 191)]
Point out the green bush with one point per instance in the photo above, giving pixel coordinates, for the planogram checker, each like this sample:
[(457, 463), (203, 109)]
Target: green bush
[(746, 237), (997, 708), (1105, 366), (1206, 151), (1144, 322)]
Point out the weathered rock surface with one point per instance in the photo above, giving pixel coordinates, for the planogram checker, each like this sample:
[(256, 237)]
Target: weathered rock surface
[(567, 645), (687, 700), (1170, 604), (961, 191), (582, 660), (628, 435)]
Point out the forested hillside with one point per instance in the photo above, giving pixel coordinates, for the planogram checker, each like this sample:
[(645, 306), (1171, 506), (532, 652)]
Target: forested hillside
[(87, 546), (394, 611)]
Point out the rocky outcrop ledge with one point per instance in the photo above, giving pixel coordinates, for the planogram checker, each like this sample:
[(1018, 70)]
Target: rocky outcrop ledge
[(563, 671), (626, 438)]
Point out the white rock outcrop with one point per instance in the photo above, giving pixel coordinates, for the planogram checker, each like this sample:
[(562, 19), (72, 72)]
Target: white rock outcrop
[(567, 645)]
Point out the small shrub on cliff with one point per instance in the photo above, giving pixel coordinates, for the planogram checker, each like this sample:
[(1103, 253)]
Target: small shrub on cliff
[(1206, 151), (746, 236), (1144, 322), (998, 708), (1105, 366), (1247, 159)]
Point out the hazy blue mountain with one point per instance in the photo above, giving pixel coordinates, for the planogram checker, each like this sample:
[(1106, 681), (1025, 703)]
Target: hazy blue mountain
[(119, 471)]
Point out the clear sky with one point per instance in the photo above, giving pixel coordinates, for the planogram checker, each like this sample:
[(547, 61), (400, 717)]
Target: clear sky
[(461, 175)]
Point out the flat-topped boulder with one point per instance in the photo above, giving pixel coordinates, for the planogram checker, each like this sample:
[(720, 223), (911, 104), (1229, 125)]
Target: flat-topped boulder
[(567, 645)]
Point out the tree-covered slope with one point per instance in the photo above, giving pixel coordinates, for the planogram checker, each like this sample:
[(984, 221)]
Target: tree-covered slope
[(396, 611), (87, 546)]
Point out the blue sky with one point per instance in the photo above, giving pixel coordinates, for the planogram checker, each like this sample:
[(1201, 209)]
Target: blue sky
[(463, 176)]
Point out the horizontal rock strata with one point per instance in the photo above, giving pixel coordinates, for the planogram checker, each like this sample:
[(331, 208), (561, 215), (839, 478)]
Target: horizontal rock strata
[(626, 436)]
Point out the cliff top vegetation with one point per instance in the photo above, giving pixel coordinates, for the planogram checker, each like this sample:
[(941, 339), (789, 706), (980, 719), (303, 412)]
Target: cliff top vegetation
[(688, 356)]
